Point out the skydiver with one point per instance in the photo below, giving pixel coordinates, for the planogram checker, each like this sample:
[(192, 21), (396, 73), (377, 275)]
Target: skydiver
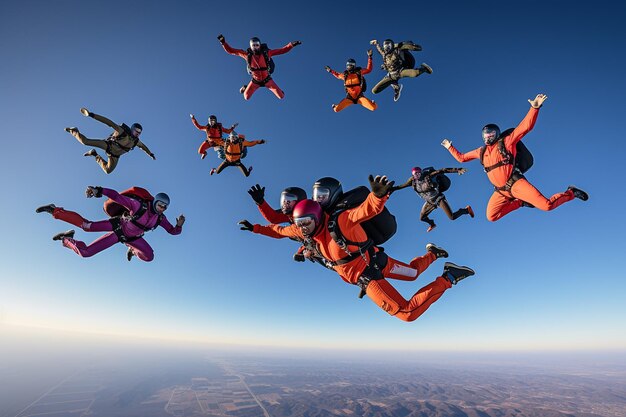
[(354, 84), (213, 131), (425, 184), (122, 140), (260, 65), (498, 156), (139, 216), (367, 267), (398, 63), (234, 148)]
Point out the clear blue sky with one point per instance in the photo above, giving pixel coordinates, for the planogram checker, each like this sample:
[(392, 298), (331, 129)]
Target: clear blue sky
[(544, 280)]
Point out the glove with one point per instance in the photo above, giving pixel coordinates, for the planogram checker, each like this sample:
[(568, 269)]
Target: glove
[(152, 156), (298, 257), (369, 52), (296, 43), (462, 171), (180, 220), (446, 143), (93, 191), (327, 68), (221, 38), (257, 193), (380, 185), (262, 141), (192, 116), (246, 225)]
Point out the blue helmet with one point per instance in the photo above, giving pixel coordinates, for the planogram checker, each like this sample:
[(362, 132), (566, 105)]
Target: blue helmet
[(161, 198)]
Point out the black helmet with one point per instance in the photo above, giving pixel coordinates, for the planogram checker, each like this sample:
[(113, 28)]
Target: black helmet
[(388, 45), (255, 44), (327, 191), (136, 127), (350, 64), (290, 197), (212, 118), (491, 133)]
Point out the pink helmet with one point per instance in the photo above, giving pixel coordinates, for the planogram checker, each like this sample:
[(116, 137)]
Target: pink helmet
[(308, 208), (416, 172)]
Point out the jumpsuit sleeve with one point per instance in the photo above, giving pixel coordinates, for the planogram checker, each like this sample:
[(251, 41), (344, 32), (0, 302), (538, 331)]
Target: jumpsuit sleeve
[(249, 144), (239, 52), (380, 50), (198, 125), (525, 126), (368, 69), (271, 215), (227, 130), (280, 51), (218, 141), (278, 232), (336, 74), (143, 147), (172, 230), (130, 203), (464, 157), (366, 210)]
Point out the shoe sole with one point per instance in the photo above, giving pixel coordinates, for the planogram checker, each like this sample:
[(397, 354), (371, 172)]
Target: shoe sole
[(60, 236), (468, 271), (437, 249), (584, 196), (427, 67)]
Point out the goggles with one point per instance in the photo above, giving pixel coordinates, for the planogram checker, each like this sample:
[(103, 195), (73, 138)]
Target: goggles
[(321, 195), (306, 221)]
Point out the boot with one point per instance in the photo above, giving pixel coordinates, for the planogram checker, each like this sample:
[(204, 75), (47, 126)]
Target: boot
[(129, 254), (242, 89), (431, 227), (334, 106), (63, 235), (455, 273), (46, 209), (91, 152), (203, 155), (436, 250), (212, 171), (578, 193), (397, 88), (71, 130), (426, 68)]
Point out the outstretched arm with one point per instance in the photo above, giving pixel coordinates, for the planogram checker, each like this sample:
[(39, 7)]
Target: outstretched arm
[(130, 203), (378, 48), (198, 125), (252, 143), (239, 52), (283, 50), (173, 230), (334, 73), (459, 171), (461, 157), (373, 204), (527, 124), (144, 148), (368, 69), (107, 122), (405, 185)]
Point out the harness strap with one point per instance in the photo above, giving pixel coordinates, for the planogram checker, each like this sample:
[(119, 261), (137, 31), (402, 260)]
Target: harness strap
[(262, 82), (116, 223)]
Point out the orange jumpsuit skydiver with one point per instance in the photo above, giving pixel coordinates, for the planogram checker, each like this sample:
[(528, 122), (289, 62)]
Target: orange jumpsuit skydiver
[(354, 88), (212, 133), (380, 290), (503, 202), (233, 151)]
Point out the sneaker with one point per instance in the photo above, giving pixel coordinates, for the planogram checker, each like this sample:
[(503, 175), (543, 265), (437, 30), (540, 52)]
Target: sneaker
[(212, 171), (242, 89), (436, 250), (426, 68), (470, 211), (396, 92), (455, 273), (578, 193), (202, 155), (431, 227), (129, 254), (46, 209), (91, 152), (85, 112), (64, 235)]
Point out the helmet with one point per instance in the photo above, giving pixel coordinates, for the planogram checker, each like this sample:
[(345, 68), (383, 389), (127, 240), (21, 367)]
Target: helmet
[(160, 198), (212, 119), (388, 45), (233, 136), (491, 133), (308, 209), (327, 191), (416, 172), (350, 64), (290, 197), (135, 129), (255, 43)]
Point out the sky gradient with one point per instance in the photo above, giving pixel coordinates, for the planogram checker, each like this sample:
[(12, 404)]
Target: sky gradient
[(546, 281)]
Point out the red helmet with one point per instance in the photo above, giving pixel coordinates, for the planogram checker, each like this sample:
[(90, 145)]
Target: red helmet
[(416, 172), (308, 209)]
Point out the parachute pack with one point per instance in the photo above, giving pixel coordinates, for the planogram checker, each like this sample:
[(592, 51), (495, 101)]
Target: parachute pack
[(442, 180), (379, 228), (268, 60), (116, 210), (522, 161)]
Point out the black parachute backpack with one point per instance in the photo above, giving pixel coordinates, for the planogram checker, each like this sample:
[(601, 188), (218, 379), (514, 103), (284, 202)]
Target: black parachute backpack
[(268, 60), (522, 162), (379, 228), (442, 180)]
